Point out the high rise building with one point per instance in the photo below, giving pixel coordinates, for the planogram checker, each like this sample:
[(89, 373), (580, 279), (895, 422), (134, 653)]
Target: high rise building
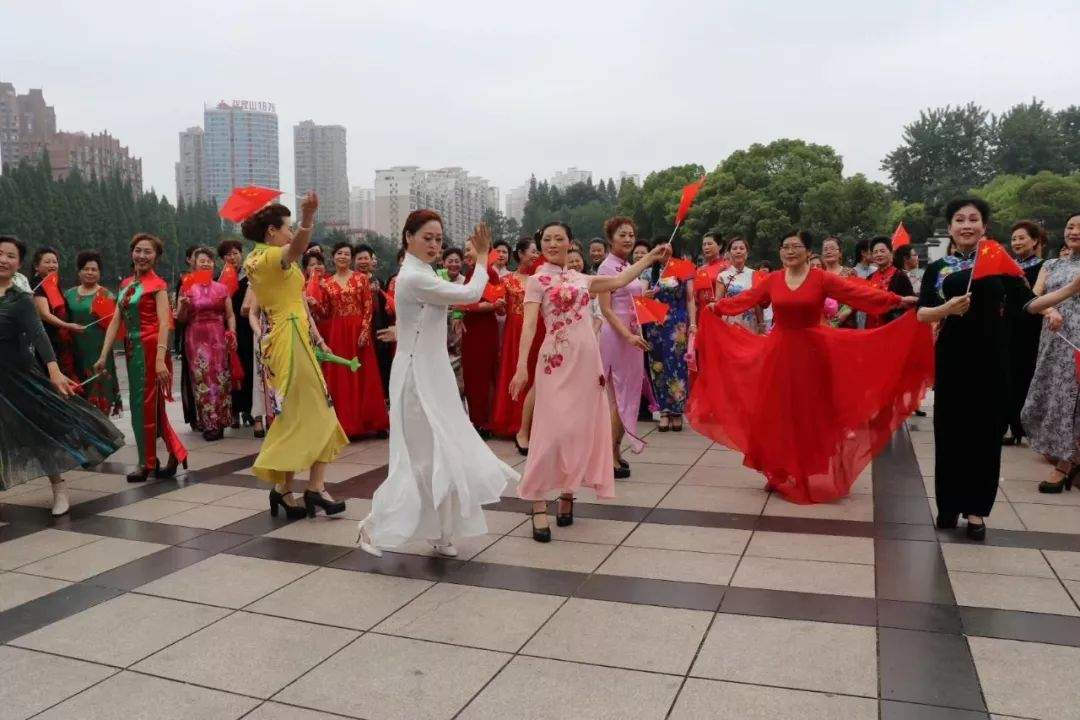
[(9, 122), (26, 124), (394, 198), (96, 155), (319, 151), (633, 177), (460, 198), (515, 202), (189, 171), (240, 147), (362, 208), (572, 176)]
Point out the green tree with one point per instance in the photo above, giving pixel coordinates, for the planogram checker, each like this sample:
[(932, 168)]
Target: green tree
[(1069, 124), (1045, 198), (1028, 139)]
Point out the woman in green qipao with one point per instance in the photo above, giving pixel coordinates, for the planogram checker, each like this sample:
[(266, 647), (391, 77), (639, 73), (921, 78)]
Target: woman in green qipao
[(103, 391)]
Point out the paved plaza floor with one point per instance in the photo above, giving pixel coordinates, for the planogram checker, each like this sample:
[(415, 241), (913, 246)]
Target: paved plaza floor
[(695, 594)]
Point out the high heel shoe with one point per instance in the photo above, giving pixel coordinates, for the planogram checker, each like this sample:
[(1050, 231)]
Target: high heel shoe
[(562, 519), (169, 471), (329, 506), (676, 424), (624, 465), (1065, 483), (365, 543), (976, 531), (292, 512), (621, 473), (142, 474), (540, 534), (260, 429), (521, 450)]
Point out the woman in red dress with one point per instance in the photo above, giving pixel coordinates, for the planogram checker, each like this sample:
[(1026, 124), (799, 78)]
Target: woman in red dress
[(886, 277), (346, 305), (786, 399), (514, 417), (480, 349)]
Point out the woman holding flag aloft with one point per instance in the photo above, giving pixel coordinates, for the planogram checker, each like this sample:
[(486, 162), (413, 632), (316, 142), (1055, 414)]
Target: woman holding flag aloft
[(91, 306), (669, 338), (786, 400)]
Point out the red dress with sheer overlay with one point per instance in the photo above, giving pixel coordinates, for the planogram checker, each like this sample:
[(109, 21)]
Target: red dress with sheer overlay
[(808, 406), (506, 416)]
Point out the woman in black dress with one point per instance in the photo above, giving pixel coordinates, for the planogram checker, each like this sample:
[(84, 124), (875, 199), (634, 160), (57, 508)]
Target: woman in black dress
[(232, 253), (889, 276), (187, 394), (1028, 240), (45, 429), (973, 369)]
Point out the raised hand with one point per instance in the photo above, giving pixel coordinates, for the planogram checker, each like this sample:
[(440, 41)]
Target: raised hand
[(308, 206), (481, 241), (660, 253)]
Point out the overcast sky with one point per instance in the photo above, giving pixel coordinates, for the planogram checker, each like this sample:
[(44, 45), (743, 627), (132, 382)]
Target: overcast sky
[(506, 89)]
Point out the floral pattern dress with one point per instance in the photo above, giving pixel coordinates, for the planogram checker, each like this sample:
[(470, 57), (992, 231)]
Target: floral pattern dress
[(669, 341), (570, 444), (207, 352)]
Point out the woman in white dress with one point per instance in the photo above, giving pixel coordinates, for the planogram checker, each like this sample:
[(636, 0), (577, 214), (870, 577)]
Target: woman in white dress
[(441, 472)]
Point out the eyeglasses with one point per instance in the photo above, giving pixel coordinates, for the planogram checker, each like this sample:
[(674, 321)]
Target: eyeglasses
[(792, 246)]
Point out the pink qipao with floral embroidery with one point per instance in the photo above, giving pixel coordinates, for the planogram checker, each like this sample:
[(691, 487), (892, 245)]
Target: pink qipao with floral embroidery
[(570, 445)]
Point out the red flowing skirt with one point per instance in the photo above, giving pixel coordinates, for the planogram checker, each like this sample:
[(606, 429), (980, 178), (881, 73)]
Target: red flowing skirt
[(358, 398), (479, 365), (506, 417), (809, 407)]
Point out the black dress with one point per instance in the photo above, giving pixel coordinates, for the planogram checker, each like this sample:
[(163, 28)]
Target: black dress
[(187, 395), (41, 432), (973, 375), (384, 351), (1025, 340), (245, 348)]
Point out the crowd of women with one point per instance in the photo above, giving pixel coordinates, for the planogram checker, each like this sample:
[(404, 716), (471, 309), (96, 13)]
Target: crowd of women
[(807, 371)]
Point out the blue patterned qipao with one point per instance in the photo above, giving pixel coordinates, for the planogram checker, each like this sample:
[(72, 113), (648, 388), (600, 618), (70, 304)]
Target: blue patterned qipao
[(667, 359)]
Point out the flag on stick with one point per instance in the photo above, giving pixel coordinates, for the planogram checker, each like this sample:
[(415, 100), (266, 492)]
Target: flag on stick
[(229, 279), (51, 286), (493, 292), (991, 259), (191, 279), (900, 237), (314, 289), (649, 310), (246, 201), (689, 192), (681, 270)]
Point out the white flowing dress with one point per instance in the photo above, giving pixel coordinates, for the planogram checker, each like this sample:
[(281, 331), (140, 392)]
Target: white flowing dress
[(441, 471)]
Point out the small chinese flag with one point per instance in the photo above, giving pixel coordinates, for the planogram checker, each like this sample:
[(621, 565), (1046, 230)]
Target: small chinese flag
[(649, 310), (689, 192), (1076, 361), (229, 279), (314, 288), (246, 201), (493, 292), (103, 307), (531, 267), (760, 276), (190, 280), (900, 237), (493, 257), (681, 270), (51, 286), (991, 259)]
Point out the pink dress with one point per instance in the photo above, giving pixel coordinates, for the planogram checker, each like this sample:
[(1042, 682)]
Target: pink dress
[(208, 355), (570, 445), (624, 364)]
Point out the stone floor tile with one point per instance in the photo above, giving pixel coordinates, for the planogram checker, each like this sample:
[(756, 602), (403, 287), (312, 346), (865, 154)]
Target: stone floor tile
[(526, 690), (741, 477), (853, 507), (715, 499), (205, 458), (478, 617), (150, 510), (718, 457), (728, 541), (714, 699), (468, 548), (231, 581), (39, 545), (827, 657), (327, 530), (42, 497), (1065, 564), (209, 517), (121, 631), (805, 576), (344, 598), (802, 546), (666, 456), (202, 493), (89, 560), (389, 678), (1009, 592), (500, 523), (356, 508), (16, 588), (1048, 693), (677, 565), (1049, 518), (131, 695), (555, 555), (102, 482), (996, 560), (1026, 490), (278, 711), (250, 498), (249, 654), (34, 681), (627, 492), (659, 473), (596, 631), (590, 530)]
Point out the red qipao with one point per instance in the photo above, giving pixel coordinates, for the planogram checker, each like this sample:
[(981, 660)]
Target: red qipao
[(506, 417), (357, 396), (808, 405), (480, 355)]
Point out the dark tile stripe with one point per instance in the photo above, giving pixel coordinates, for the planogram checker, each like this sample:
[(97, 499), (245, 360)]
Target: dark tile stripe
[(514, 577), (928, 668), (1015, 625), (799, 606), (216, 541), (702, 518), (289, 551), (644, 591), (416, 567), (906, 711), (36, 614), (919, 616), (1016, 538), (135, 530), (912, 571), (149, 568)]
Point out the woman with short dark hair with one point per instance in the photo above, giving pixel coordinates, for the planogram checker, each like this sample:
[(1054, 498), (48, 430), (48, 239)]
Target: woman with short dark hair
[(102, 391), (231, 252), (887, 277), (1027, 241), (53, 310)]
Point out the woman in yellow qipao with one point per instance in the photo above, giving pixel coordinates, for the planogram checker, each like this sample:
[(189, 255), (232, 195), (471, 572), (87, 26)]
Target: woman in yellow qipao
[(305, 433)]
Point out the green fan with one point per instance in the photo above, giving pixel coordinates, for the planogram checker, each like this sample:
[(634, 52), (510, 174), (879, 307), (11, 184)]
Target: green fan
[(323, 356)]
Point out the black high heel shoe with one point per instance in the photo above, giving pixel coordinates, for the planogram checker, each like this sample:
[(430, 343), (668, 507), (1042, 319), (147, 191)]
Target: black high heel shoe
[(540, 534), (314, 499), (142, 474), (260, 428), (621, 473), (169, 471), (521, 450), (292, 512), (248, 420), (976, 531), (624, 465), (562, 519), (1065, 483)]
